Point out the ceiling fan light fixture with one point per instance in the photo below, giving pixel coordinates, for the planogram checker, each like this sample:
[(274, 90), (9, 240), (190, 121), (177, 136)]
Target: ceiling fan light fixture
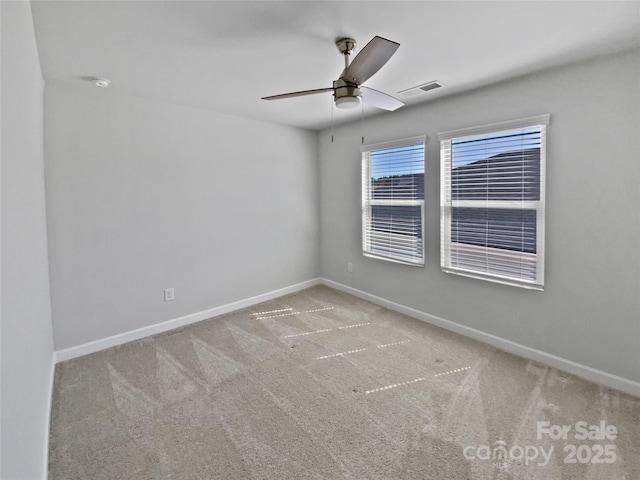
[(346, 103)]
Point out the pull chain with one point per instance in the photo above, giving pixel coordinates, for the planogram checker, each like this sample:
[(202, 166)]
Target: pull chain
[(362, 112), (332, 120)]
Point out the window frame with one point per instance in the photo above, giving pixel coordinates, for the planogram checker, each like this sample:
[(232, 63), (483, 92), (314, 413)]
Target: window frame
[(368, 202), (447, 204)]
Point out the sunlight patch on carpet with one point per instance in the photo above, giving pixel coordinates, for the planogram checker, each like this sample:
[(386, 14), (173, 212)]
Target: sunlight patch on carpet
[(353, 326), (342, 353), (452, 371), (415, 380), (361, 350), (283, 312), (307, 333)]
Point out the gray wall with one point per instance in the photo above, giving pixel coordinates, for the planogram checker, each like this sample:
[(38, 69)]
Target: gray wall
[(144, 195), (27, 345), (590, 310)]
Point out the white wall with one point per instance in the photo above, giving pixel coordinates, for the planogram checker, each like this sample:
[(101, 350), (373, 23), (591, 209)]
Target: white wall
[(27, 345), (144, 195), (589, 312)]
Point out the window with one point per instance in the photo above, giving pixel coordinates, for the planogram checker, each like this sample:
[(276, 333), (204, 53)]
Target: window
[(393, 201), (492, 182)]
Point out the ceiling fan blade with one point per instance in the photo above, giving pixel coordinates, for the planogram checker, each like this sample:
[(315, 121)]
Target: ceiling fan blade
[(379, 99), (370, 59), (298, 94)]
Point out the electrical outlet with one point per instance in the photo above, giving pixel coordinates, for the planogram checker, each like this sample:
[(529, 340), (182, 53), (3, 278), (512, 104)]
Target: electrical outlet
[(349, 267), (169, 294)]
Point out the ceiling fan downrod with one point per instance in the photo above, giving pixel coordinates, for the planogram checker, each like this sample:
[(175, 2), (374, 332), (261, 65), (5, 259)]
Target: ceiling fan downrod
[(345, 93), (346, 46)]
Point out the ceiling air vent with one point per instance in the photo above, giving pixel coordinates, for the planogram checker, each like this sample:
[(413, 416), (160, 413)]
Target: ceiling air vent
[(425, 87)]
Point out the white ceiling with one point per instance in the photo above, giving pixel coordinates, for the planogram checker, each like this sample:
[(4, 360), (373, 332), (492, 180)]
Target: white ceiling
[(225, 56)]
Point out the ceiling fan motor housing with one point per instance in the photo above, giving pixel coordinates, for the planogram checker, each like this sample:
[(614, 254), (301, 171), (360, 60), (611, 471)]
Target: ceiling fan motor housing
[(343, 90)]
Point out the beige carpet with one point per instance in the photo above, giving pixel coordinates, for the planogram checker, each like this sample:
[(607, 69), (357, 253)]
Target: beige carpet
[(322, 385)]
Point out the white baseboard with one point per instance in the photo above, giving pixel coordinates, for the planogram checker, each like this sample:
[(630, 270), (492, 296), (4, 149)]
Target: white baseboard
[(583, 371), (121, 338)]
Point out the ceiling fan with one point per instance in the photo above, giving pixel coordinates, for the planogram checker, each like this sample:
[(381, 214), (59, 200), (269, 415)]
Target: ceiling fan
[(348, 89)]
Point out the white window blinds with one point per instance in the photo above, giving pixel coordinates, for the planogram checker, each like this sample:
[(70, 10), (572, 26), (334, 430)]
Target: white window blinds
[(393, 201), (492, 201)]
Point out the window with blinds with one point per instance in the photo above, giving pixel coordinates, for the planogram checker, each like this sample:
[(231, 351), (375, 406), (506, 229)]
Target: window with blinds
[(492, 201), (393, 201)]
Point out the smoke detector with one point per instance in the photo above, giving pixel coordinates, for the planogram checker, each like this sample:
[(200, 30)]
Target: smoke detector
[(100, 82)]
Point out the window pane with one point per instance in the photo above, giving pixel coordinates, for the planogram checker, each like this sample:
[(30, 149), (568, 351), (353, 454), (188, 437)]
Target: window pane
[(397, 160), (501, 167), (396, 231), (401, 186), (398, 172), (399, 220), (509, 229)]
